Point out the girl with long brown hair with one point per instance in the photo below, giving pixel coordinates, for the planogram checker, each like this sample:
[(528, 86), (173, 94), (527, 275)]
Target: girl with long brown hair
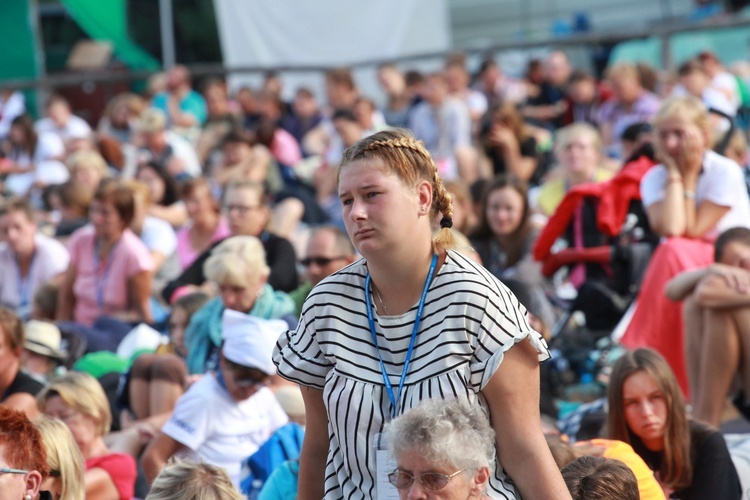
[(647, 411)]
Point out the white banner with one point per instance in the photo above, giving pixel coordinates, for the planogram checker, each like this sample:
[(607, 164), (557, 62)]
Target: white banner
[(328, 32)]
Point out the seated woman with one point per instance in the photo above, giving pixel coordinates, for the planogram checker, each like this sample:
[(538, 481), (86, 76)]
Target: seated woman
[(441, 447), (226, 416), (165, 203), (64, 459), (22, 456), (647, 411), (205, 226), (509, 144), (691, 197), (504, 238), (238, 269), (29, 151), (110, 272), (715, 313), (79, 401), (17, 389), (578, 149)]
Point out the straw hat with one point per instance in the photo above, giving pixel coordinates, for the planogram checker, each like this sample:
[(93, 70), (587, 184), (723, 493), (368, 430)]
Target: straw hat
[(44, 338)]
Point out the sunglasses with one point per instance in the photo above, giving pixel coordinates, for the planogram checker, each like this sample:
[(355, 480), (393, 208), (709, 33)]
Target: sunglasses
[(430, 480), (319, 261), (6, 470)]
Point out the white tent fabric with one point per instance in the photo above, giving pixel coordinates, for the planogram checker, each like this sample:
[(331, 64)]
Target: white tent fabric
[(328, 32)]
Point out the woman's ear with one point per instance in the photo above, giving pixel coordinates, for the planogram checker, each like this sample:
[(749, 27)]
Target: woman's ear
[(424, 191), (480, 480), (33, 482)]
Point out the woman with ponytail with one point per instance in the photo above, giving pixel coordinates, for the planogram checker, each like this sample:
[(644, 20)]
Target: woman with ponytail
[(412, 320)]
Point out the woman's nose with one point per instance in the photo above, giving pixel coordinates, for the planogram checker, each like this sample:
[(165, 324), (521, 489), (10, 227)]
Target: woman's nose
[(357, 211), (416, 491)]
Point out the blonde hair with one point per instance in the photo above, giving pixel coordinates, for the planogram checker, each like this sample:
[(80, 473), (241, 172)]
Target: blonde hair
[(566, 135), (185, 480), (623, 70), (689, 107), (63, 456), (408, 159), (237, 261), (90, 160), (83, 393)]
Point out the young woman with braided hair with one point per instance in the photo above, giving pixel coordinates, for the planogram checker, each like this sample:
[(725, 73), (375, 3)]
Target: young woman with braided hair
[(411, 321)]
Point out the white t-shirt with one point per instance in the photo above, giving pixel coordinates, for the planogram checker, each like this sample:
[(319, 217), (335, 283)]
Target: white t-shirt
[(50, 259), (185, 151), (221, 431), (158, 235), (49, 147), (721, 182), (75, 128), (727, 83)]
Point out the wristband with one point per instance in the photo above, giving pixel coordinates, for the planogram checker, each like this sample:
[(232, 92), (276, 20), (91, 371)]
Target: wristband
[(690, 195)]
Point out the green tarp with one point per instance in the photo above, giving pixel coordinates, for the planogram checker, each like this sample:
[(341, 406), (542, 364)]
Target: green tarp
[(18, 58), (106, 20)]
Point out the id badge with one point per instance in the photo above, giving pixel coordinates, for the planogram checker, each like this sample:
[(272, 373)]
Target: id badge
[(385, 464)]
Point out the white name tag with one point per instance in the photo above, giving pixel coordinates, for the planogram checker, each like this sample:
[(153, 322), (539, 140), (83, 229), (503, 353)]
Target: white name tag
[(385, 464)]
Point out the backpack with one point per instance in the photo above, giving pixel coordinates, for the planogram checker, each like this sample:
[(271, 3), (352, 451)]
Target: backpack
[(285, 444)]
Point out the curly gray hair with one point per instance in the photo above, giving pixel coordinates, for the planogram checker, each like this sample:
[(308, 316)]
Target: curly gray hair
[(446, 432)]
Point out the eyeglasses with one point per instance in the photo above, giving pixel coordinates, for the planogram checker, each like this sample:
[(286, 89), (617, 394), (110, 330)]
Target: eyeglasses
[(430, 480), (320, 261), (241, 209), (6, 470)]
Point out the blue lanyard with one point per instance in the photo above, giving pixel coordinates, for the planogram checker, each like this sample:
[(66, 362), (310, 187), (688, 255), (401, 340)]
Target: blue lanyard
[(101, 282), (388, 387)]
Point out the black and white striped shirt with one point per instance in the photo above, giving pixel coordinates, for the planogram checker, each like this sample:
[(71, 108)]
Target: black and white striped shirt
[(470, 319)]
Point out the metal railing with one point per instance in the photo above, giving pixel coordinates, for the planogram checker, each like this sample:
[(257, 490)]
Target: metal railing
[(70, 79)]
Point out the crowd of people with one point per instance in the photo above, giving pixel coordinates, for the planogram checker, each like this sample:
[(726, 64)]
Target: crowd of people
[(207, 274)]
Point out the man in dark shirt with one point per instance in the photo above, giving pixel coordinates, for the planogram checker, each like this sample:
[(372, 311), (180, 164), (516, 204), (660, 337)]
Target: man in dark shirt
[(548, 108)]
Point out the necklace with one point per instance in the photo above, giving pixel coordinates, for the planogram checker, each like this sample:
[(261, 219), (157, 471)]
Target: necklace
[(380, 299)]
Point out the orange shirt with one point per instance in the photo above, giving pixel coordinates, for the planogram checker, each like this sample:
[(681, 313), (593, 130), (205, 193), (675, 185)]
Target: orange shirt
[(648, 486)]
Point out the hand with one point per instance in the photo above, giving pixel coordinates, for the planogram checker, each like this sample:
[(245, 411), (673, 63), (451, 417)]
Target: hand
[(736, 279), (146, 431), (502, 137)]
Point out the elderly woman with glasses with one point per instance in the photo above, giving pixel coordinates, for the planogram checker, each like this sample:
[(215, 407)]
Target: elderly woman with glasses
[(442, 448), (23, 460), (226, 416)]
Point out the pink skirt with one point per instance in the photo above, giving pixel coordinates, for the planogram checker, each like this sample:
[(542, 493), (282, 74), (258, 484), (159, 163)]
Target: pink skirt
[(657, 321)]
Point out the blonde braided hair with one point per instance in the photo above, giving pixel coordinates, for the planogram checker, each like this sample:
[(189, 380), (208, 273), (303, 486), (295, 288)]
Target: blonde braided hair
[(408, 158)]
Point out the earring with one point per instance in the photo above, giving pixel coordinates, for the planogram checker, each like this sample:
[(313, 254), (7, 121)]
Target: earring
[(27, 497)]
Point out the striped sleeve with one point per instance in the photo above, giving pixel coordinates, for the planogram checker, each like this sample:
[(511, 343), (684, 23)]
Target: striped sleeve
[(298, 356), (503, 325)]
